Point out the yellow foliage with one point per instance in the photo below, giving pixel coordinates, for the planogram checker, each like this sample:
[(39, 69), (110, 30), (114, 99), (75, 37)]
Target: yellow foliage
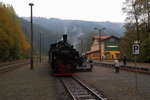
[(11, 35)]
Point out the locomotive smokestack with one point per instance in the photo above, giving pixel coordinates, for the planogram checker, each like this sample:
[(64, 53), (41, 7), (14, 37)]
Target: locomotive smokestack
[(65, 38)]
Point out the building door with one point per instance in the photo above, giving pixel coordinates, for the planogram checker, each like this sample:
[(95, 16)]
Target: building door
[(107, 55)]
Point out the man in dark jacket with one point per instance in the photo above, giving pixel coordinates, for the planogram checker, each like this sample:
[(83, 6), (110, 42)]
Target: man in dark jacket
[(124, 60), (81, 61)]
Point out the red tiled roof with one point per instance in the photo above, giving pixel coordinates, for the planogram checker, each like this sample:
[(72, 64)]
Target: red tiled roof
[(92, 51), (102, 37)]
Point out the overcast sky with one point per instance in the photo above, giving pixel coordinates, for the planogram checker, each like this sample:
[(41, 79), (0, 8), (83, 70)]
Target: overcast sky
[(91, 10)]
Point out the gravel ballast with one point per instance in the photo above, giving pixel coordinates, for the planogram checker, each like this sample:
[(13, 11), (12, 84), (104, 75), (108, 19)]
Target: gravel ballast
[(118, 86), (26, 84)]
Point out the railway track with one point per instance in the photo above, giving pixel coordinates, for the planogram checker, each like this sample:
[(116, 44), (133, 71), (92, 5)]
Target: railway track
[(79, 91), (12, 62), (5, 69)]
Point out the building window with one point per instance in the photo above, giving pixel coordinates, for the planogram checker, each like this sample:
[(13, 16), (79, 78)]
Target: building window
[(96, 54), (112, 39), (112, 46)]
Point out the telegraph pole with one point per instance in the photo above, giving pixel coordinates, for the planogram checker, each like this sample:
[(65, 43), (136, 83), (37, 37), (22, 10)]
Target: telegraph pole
[(99, 41), (81, 45), (100, 31), (40, 47), (31, 4)]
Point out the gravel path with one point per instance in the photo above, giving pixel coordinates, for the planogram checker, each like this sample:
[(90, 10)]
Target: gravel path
[(118, 86), (26, 84)]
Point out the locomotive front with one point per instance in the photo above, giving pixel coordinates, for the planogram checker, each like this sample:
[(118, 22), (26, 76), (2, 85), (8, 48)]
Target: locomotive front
[(64, 58)]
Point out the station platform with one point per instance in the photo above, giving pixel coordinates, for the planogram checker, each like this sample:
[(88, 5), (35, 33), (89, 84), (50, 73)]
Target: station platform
[(26, 84), (132, 64), (118, 86)]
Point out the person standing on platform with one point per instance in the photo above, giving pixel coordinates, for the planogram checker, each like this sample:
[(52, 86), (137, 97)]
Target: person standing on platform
[(124, 60), (81, 59), (116, 63)]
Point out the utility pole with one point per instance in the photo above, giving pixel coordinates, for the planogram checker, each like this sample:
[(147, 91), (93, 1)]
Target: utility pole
[(99, 41), (100, 31), (31, 4), (40, 47), (81, 46)]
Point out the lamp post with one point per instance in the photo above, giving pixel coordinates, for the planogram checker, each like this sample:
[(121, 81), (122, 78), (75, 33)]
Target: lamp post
[(31, 4), (99, 40), (81, 50), (40, 47)]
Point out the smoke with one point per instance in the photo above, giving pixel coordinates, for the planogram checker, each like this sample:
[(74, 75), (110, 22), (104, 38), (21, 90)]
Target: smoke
[(74, 36), (78, 35), (65, 30)]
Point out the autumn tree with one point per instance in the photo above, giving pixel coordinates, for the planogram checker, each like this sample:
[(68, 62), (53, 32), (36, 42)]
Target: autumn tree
[(137, 28), (13, 44)]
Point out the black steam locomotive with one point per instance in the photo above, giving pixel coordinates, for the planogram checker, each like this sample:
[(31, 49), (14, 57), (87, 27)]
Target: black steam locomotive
[(63, 57)]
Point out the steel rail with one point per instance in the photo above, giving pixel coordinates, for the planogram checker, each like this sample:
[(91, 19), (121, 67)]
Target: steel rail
[(90, 91), (66, 87), (4, 70), (95, 94), (12, 62)]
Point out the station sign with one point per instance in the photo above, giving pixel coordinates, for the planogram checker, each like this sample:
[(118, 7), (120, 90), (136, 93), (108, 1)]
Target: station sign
[(136, 49)]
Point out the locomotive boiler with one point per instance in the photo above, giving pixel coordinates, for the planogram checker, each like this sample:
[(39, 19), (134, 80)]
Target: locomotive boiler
[(63, 57)]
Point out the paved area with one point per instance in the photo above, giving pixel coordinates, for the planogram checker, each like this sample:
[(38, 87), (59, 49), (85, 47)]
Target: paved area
[(26, 84), (38, 84), (118, 86)]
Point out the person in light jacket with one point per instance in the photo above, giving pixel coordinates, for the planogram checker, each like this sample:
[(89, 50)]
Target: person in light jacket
[(116, 63)]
